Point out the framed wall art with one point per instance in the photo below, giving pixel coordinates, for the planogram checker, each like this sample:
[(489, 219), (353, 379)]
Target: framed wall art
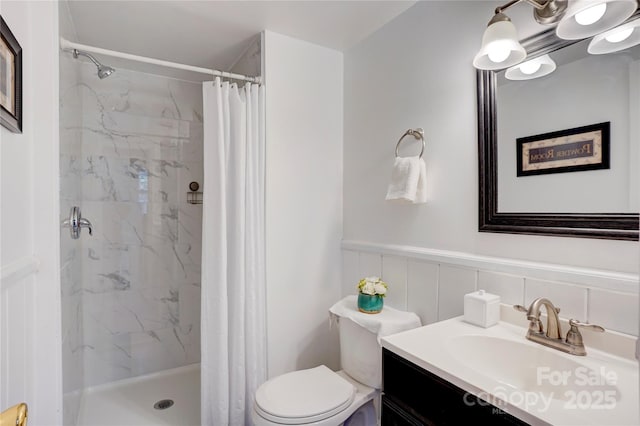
[(10, 80)]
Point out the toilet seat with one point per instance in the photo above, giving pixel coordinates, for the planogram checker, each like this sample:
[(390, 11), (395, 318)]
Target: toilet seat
[(304, 396)]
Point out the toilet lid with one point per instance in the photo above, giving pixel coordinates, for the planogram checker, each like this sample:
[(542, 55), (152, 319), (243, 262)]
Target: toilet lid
[(304, 396)]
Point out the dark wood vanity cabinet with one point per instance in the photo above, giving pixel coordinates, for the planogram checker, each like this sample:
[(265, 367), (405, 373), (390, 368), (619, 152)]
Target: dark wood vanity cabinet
[(413, 396)]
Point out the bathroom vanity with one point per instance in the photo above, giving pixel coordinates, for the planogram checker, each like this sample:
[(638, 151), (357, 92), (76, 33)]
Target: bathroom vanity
[(452, 372), (414, 396)]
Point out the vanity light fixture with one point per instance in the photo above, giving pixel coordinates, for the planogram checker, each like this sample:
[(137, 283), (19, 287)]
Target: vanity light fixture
[(620, 38), (500, 45), (586, 18), (534, 68), (575, 19)]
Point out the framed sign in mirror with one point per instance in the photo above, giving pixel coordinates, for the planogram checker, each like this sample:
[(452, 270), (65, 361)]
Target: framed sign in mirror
[(570, 150), (514, 197), (10, 80)]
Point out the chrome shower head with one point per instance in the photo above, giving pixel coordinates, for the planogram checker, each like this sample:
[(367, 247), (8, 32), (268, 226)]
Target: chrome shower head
[(104, 71)]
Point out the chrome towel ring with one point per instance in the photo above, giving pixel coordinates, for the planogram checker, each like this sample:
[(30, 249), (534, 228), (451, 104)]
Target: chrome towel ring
[(416, 133)]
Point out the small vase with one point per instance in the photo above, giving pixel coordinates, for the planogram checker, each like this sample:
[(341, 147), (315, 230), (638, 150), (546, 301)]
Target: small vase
[(370, 304)]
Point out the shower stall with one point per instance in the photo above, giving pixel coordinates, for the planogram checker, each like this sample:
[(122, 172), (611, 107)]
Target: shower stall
[(131, 146)]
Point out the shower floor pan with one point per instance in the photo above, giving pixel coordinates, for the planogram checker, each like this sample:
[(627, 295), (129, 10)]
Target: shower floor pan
[(175, 394)]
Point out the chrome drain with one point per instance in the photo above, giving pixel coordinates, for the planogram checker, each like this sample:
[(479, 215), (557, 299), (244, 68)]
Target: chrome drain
[(163, 404)]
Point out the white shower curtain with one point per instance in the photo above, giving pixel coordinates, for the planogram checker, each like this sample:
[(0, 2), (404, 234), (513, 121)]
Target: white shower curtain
[(233, 340)]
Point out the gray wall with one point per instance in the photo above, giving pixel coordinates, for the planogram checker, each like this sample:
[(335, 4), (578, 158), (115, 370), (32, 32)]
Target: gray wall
[(417, 72)]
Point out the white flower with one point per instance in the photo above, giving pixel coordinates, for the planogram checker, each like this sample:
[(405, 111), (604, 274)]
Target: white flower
[(379, 288), (369, 288), (372, 286)]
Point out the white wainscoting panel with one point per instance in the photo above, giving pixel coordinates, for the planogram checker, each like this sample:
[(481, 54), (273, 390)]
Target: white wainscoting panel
[(18, 270), (432, 283), (509, 287), (16, 331), (350, 272), (571, 299), (370, 265), (394, 273), (602, 304), (422, 291), (453, 284), (592, 278)]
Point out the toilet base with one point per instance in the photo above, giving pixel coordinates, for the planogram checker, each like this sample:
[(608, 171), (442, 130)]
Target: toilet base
[(364, 416)]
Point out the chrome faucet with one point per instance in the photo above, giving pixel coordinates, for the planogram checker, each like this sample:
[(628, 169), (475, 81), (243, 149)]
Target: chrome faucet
[(572, 344)]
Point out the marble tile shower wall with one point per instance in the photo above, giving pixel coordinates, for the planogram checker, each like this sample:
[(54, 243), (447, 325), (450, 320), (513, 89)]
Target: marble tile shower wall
[(70, 250), (141, 146), (435, 290)]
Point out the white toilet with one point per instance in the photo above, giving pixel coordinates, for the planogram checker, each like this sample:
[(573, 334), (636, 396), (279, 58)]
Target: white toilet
[(322, 397)]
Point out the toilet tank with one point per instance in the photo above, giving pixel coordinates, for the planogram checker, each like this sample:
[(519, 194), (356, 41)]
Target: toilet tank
[(360, 353)]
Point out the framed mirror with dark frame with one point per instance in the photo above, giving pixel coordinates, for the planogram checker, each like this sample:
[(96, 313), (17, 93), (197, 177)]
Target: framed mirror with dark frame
[(616, 226)]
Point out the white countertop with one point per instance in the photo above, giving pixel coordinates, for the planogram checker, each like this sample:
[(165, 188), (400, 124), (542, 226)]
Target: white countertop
[(581, 397)]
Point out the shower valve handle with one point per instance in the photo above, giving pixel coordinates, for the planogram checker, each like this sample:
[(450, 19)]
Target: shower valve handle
[(76, 222)]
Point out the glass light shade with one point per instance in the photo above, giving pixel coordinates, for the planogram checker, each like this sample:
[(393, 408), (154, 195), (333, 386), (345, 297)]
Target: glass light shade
[(500, 47), (606, 42), (618, 36), (530, 67), (591, 15), (535, 68), (615, 13)]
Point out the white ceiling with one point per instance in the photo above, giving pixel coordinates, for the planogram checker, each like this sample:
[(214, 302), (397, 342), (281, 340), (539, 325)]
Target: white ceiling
[(214, 34)]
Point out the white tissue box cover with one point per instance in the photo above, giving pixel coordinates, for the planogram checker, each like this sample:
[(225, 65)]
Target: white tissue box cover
[(482, 308)]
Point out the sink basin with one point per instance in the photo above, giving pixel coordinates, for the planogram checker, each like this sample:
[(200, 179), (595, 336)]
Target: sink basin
[(529, 367), (537, 384)]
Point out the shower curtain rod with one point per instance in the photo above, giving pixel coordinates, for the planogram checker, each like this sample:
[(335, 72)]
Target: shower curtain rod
[(69, 45)]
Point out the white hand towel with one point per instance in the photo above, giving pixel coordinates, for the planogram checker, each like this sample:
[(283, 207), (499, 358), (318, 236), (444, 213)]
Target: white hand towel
[(421, 190), (408, 181), (404, 179)]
